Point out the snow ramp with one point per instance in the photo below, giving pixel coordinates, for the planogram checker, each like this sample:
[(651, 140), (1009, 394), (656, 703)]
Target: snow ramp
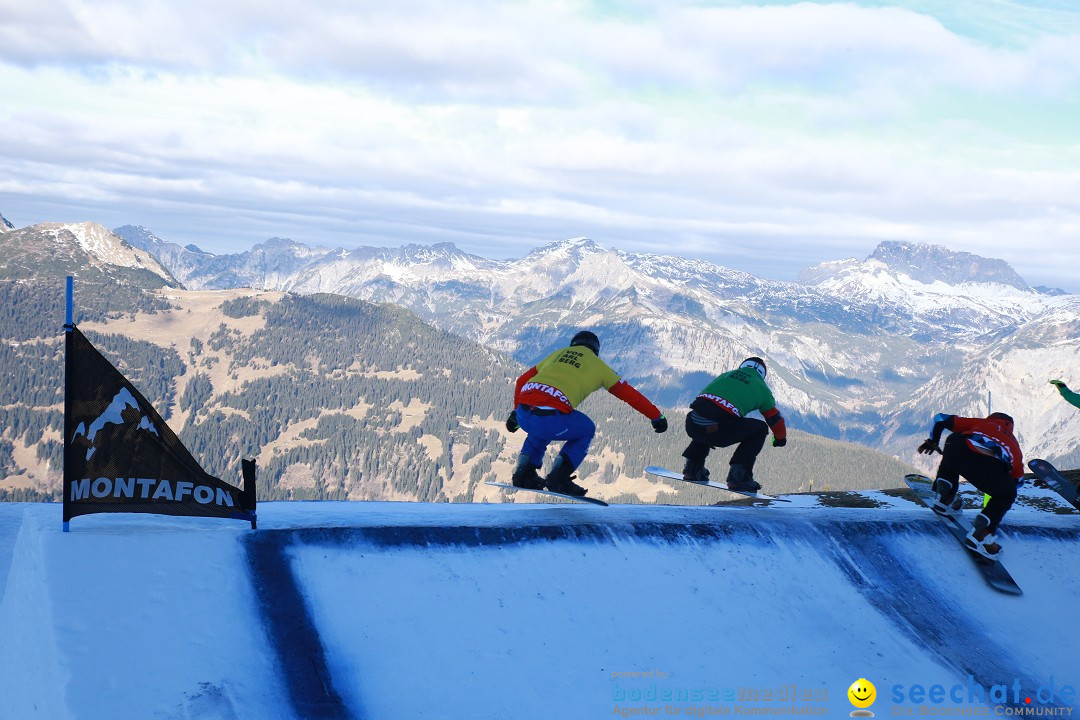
[(404, 610)]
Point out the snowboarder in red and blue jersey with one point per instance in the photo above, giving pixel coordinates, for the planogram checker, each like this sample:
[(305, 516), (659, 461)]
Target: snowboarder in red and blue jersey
[(718, 418), (986, 453), (546, 397)]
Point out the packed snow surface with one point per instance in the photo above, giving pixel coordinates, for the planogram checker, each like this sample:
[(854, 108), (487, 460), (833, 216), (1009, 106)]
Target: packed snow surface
[(410, 610)]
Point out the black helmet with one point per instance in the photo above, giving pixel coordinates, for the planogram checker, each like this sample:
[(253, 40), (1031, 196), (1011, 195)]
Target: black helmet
[(756, 364), (1001, 416), (587, 339)]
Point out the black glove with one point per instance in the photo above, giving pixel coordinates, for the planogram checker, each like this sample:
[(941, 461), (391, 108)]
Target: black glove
[(511, 422), (779, 442), (929, 447), (660, 424)]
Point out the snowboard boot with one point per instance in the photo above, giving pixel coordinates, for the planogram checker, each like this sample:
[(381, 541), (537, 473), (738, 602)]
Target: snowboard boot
[(741, 478), (981, 541), (695, 472), (525, 475), (947, 503), (561, 478)]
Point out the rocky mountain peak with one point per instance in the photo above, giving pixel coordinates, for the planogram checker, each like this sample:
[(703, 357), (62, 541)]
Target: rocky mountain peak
[(279, 243), (826, 270), (63, 247), (932, 263), (140, 237), (5, 225), (279, 250), (426, 254), (575, 248)]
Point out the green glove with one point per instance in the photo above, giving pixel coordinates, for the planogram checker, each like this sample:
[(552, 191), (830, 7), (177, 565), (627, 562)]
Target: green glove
[(1058, 384)]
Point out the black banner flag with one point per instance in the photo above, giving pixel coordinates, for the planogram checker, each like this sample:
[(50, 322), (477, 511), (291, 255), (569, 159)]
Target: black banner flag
[(120, 456)]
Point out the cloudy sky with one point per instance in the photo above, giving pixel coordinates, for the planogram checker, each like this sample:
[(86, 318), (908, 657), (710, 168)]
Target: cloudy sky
[(767, 136)]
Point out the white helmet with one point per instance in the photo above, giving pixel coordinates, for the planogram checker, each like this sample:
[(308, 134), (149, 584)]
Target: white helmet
[(756, 363)]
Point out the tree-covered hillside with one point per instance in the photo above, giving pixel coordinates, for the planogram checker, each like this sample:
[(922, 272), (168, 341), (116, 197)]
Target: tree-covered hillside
[(334, 397), (339, 398)]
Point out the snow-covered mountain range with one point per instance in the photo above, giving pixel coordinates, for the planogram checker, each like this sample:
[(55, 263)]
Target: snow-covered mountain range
[(271, 375), (865, 350)]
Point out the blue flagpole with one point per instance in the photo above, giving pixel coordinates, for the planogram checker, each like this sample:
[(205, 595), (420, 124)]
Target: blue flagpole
[(68, 325), (70, 302)]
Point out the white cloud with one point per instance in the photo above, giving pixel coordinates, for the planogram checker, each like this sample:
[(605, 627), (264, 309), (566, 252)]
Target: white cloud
[(486, 122)]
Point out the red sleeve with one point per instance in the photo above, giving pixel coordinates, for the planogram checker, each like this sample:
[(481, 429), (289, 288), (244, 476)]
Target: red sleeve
[(629, 395), (776, 422), (964, 424), (525, 377)]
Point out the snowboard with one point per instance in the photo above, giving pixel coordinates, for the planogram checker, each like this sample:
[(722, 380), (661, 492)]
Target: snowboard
[(672, 475), (583, 498), (993, 571), (1050, 475)]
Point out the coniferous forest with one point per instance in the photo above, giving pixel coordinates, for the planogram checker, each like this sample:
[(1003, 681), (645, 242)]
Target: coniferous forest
[(338, 399)]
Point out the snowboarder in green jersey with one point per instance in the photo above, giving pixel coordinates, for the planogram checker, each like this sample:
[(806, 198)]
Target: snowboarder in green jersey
[(718, 418)]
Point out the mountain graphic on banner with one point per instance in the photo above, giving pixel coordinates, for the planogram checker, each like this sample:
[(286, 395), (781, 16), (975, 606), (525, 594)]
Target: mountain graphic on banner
[(123, 412)]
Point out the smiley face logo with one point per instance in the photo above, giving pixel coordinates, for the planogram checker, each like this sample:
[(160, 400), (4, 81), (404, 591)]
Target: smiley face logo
[(862, 693)]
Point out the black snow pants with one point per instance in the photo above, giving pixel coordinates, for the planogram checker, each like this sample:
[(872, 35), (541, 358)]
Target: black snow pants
[(725, 431), (987, 473)]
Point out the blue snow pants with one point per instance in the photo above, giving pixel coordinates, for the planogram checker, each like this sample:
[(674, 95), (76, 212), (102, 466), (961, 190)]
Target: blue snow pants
[(575, 429)]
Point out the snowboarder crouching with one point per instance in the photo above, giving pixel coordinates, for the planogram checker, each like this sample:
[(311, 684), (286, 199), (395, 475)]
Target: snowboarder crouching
[(718, 418), (987, 454), (545, 398)]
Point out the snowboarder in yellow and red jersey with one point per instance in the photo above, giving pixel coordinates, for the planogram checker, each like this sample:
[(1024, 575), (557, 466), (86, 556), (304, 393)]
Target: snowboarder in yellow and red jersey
[(718, 418), (545, 399)]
